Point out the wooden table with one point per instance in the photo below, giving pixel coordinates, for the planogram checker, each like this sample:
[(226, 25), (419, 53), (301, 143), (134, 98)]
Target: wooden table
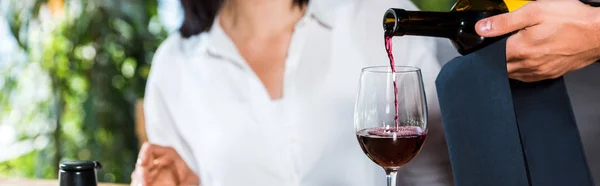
[(26, 182)]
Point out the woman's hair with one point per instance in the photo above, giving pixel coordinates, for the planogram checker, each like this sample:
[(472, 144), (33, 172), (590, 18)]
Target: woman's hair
[(200, 14)]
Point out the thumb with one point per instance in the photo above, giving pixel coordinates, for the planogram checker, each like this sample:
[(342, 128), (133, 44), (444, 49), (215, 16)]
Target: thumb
[(506, 23)]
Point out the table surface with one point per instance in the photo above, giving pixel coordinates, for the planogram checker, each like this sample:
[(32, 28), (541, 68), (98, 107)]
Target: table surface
[(27, 182)]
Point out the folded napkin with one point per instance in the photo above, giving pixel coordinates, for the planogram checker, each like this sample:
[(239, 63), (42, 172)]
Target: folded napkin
[(504, 132)]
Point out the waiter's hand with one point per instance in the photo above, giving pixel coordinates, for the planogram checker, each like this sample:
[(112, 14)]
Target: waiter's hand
[(158, 165), (554, 37)]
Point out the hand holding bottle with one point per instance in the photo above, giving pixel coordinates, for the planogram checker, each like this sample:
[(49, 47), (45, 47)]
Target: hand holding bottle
[(552, 38), (158, 165)]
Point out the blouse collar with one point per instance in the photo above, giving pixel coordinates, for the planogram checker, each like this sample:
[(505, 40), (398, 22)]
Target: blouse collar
[(220, 45)]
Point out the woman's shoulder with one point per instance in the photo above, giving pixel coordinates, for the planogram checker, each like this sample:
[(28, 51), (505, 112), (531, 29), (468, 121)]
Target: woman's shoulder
[(176, 46), (173, 55)]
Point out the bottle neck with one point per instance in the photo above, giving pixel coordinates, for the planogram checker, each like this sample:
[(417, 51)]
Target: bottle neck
[(434, 24), (399, 22)]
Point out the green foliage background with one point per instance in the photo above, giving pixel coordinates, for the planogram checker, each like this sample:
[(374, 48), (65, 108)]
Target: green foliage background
[(434, 5), (96, 55)]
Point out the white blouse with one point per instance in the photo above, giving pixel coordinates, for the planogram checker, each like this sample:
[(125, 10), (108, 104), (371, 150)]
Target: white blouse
[(204, 100)]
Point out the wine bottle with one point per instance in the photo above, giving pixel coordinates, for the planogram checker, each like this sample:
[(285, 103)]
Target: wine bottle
[(458, 25)]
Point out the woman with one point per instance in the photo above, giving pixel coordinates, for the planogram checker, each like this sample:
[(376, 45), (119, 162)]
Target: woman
[(255, 92)]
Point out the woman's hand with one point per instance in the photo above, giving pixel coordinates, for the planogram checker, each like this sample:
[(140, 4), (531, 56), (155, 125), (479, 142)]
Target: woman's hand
[(554, 37), (158, 165)]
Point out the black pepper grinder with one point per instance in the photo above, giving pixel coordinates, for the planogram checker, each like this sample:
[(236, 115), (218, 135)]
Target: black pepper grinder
[(78, 173)]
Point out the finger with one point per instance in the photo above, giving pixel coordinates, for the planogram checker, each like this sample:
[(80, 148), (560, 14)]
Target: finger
[(134, 179), (152, 175), (514, 64), (190, 179), (139, 176), (143, 164), (158, 150), (518, 67), (165, 159), (506, 23), (145, 154), (524, 77), (145, 174), (515, 47), (156, 155), (517, 54), (172, 160), (182, 171), (512, 67)]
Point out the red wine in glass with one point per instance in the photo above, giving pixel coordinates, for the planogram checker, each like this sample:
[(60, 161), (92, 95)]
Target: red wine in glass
[(388, 49), (391, 148)]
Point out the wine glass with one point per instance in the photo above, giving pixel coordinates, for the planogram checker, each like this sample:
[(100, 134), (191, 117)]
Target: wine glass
[(390, 116)]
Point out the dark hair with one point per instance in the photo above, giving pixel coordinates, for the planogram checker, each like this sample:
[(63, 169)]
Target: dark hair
[(200, 14)]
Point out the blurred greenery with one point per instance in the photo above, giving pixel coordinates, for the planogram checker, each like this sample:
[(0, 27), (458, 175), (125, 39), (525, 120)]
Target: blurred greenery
[(95, 56), (434, 5), (91, 59)]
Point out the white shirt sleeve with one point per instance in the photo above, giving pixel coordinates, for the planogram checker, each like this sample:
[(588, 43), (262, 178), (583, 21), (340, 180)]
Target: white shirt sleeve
[(161, 127)]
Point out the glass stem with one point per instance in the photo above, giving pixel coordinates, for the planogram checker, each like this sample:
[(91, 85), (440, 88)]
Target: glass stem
[(391, 177)]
